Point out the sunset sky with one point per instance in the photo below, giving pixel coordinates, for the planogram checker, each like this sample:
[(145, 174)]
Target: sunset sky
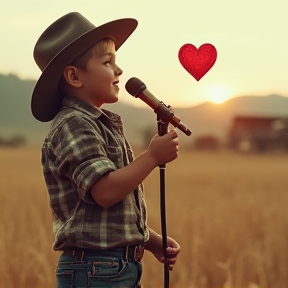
[(251, 38)]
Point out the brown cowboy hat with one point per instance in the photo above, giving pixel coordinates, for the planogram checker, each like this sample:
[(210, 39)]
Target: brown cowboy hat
[(58, 46)]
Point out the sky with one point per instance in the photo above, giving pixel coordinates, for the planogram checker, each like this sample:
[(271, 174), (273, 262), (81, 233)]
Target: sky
[(250, 36)]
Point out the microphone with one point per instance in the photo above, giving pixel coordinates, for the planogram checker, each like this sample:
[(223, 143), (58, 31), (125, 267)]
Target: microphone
[(137, 89)]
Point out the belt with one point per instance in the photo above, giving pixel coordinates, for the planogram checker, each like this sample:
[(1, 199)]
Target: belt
[(134, 252)]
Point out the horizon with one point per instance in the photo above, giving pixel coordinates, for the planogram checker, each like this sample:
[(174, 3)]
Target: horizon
[(205, 117)]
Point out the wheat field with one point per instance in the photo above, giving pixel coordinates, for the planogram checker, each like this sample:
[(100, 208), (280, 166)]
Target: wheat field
[(227, 210)]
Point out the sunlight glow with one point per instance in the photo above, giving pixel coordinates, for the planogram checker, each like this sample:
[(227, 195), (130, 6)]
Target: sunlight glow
[(219, 93)]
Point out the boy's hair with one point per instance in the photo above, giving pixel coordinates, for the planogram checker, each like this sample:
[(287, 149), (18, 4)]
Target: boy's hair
[(96, 49), (80, 62)]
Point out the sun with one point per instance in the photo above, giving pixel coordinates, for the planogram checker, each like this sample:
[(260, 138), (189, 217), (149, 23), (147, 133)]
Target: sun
[(219, 93)]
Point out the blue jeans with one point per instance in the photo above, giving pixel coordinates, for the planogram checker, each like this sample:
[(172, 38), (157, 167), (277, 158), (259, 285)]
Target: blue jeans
[(106, 270)]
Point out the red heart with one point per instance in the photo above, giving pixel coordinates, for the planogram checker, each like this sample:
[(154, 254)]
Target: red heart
[(197, 62)]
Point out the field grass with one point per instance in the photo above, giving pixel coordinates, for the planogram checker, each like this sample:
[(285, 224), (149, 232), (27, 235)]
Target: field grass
[(227, 210)]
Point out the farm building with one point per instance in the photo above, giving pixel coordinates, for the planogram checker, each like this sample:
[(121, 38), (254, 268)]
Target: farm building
[(259, 134)]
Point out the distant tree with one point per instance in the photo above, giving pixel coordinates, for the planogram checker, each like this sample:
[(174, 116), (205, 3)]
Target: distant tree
[(207, 142), (17, 140), (14, 141)]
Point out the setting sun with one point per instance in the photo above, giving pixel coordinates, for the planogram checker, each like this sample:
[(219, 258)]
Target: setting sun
[(219, 93)]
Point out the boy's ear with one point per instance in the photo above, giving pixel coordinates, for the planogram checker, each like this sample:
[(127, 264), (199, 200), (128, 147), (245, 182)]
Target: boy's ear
[(70, 75)]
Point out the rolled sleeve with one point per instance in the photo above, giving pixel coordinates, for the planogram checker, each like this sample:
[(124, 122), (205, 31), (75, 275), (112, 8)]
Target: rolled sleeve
[(81, 155), (88, 173)]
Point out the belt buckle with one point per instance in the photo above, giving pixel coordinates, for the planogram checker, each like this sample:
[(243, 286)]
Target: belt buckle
[(138, 253)]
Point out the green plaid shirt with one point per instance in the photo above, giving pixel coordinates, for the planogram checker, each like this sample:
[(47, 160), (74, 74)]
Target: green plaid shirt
[(83, 144)]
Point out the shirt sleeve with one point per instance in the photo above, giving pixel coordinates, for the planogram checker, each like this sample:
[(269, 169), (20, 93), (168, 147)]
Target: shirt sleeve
[(82, 155)]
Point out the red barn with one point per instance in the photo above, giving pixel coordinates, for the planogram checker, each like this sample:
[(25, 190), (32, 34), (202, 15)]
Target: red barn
[(255, 133)]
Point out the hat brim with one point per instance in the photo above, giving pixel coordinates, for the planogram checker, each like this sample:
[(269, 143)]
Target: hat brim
[(46, 99)]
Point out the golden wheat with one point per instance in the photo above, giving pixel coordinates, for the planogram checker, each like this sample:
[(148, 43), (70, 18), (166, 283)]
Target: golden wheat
[(227, 210)]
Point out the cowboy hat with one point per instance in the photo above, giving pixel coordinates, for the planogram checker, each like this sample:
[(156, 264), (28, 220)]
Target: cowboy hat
[(58, 46)]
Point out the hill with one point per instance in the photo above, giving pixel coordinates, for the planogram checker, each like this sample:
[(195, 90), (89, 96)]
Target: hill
[(203, 119)]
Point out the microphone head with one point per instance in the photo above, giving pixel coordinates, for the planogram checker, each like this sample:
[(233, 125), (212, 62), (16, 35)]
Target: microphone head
[(134, 86)]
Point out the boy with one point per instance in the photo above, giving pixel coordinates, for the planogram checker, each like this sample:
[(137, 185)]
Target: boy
[(94, 184)]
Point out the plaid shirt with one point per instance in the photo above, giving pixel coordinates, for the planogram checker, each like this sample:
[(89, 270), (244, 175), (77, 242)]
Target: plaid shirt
[(83, 144)]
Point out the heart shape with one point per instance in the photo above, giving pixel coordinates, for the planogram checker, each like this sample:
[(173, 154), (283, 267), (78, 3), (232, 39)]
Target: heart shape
[(197, 61)]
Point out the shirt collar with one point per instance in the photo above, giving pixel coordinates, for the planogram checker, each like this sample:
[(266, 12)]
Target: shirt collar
[(90, 110)]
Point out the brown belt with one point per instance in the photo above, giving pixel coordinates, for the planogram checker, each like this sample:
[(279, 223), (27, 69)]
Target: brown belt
[(134, 252)]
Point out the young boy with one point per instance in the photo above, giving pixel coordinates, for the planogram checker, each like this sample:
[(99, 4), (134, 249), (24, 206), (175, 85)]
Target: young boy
[(94, 184)]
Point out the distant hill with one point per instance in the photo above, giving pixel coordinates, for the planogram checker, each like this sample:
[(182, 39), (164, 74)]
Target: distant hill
[(203, 119), (15, 113)]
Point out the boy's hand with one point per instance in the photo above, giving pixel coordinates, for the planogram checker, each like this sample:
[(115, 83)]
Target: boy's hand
[(173, 249), (164, 148)]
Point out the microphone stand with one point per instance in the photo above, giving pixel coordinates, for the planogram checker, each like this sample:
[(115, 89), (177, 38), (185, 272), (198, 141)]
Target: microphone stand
[(163, 118), (162, 130)]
